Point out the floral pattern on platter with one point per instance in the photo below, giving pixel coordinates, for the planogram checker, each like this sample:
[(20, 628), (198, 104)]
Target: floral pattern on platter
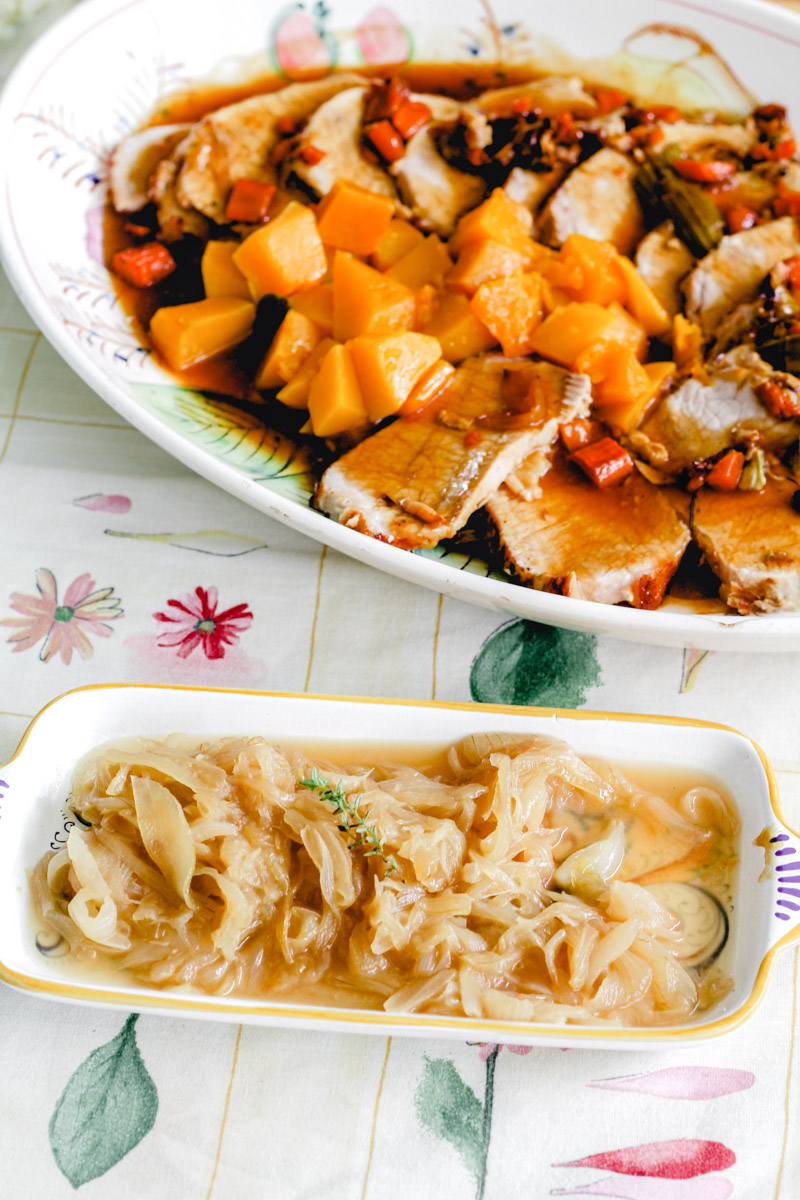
[(64, 627), (196, 622)]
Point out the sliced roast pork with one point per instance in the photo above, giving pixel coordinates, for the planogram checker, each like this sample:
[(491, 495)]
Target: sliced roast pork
[(701, 419), (135, 159), (615, 545), (663, 260), (335, 128), (730, 275), (752, 542), (235, 142), (436, 192), (597, 200), (418, 481)]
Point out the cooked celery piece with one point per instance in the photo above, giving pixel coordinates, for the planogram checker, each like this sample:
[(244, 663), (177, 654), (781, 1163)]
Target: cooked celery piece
[(754, 475), (662, 193), (783, 354)]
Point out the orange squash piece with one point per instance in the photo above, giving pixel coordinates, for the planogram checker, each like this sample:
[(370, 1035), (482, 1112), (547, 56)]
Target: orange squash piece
[(431, 384), (295, 393), (388, 368), (641, 302), (353, 218), (221, 276), (428, 262), (627, 415), (499, 219), (599, 265), (458, 331), (316, 303), (400, 237), (185, 334), (567, 332), (621, 332), (284, 255), (480, 261), (291, 346), (335, 403), (511, 309), (367, 302)]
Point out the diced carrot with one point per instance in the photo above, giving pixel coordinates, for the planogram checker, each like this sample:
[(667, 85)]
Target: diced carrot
[(386, 140), (143, 266), (724, 476), (666, 112), (787, 204), (741, 217), (139, 231), (576, 434), (410, 117), (609, 99), (782, 402), (699, 171), (249, 201), (521, 105), (282, 150), (285, 126), (793, 277), (605, 462), (786, 149), (311, 155), (385, 99)]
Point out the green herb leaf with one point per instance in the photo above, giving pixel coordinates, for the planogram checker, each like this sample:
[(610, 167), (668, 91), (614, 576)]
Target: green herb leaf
[(360, 833), (107, 1107)]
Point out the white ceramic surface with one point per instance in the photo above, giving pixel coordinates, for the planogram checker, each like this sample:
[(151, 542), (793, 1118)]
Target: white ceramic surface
[(34, 786), (98, 73)]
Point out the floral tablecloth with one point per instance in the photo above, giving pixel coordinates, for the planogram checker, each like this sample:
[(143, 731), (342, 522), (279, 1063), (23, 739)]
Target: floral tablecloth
[(118, 564)]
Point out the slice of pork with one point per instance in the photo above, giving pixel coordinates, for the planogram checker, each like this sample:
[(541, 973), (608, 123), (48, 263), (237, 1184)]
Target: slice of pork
[(436, 193), (532, 188), (730, 275), (693, 137), (235, 142), (614, 545), (752, 542), (174, 219), (663, 261), (700, 420), (597, 200), (135, 159), (335, 128), (418, 481), (551, 96)]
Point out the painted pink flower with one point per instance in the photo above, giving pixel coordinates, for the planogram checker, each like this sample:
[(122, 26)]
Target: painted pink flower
[(196, 622), (65, 627), (486, 1048)]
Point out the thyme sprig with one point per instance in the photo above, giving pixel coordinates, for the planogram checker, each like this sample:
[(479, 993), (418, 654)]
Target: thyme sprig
[(350, 820)]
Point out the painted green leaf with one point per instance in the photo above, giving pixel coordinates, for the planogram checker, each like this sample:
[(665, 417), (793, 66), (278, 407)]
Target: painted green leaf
[(107, 1107), (232, 435), (451, 1110), (527, 663), (218, 542)]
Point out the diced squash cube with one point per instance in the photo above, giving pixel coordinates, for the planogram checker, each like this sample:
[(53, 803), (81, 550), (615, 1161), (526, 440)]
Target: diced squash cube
[(295, 393), (352, 218), (334, 401), (484, 260), (316, 303), (566, 276), (627, 415), (400, 237), (367, 302), (687, 342), (511, 309), (221, 276), (291, 346), (457, 329), (568, 331), (621, 332), (428, 262), (598, 263), (498, 219), (552, 297), (429, 385), (641, 302), (388, 367), (625, 382), (425, 300), (185, 334), (284, 255)]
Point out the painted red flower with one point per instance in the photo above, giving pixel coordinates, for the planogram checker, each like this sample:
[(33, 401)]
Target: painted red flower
[(196, 622)]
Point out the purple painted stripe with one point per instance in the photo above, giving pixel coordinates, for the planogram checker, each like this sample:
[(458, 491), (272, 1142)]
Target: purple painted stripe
[(786, 850), (783, 916), (3, 783), (781, 837), (790, 892), (790, 904), (786, 866), (789, 879)]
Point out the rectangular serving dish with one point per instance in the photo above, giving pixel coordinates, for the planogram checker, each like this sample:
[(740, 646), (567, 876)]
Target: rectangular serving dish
[(35, 784)]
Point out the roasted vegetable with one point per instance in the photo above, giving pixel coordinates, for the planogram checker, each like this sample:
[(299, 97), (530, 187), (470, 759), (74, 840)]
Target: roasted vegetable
[(662, 193)]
